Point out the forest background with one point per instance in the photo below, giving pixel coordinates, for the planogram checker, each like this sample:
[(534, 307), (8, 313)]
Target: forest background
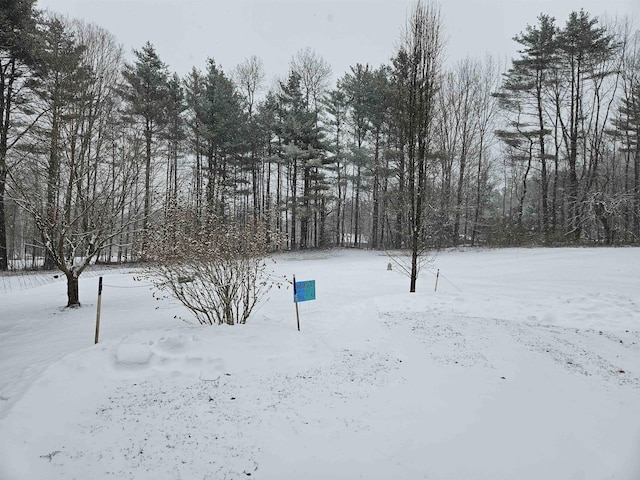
[(101, 159)]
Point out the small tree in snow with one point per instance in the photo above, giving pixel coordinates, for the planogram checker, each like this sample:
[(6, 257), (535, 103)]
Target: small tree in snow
[(217, 269), (403, 260)]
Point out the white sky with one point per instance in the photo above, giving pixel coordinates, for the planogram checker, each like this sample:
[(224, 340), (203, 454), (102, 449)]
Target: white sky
[(344, 32)]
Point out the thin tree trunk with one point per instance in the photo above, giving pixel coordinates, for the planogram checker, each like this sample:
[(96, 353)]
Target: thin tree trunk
[(356, 239), (376, 192), (476, 216), (5, 123)]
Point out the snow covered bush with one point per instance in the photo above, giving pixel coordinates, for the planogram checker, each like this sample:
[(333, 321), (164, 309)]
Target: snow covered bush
[(217, 269)]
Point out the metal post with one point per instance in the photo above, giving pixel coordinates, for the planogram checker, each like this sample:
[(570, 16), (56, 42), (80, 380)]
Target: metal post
[(437, 276)]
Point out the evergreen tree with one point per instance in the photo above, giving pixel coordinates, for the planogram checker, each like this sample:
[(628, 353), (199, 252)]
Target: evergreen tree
[(194, 97), (358, 87), (146, 89), (628, 128), (539, 57), (224, 133), (18, 55), (366, 92), (174, 135), (268, 145), (378, 113), (525, 85), (336, 105), (59, 87), (302, 144), (585, 47), (314, 73)]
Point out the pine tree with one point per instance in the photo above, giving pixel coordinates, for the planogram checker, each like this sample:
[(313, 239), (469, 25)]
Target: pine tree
[(314, 73), (378, 113), (224, 129), (628, 128), (146, 88), (358, 87), (174, 135), (336, 105), (268, 145), (300, 136), (525, 85), (539, 57), (194, 97), (585, 47), (60, 87), (18, 55)]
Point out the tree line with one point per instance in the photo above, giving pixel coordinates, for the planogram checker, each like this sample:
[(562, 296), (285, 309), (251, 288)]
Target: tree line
[(97, 154)]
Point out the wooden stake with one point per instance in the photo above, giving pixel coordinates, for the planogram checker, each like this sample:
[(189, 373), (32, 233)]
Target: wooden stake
[(295, 299), (98, 309), (437, 276)]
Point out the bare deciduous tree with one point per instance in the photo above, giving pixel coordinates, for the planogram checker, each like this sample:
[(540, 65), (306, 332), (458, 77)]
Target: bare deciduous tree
[(315, 74), (418, 71), (80, 196), (249, 79)]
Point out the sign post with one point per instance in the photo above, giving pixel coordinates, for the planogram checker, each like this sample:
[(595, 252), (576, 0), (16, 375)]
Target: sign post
[(303, 292)]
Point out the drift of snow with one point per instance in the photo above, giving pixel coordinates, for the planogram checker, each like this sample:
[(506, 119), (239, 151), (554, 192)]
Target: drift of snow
[(524, 364)]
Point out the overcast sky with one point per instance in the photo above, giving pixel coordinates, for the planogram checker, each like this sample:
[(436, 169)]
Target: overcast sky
[(344, 32)]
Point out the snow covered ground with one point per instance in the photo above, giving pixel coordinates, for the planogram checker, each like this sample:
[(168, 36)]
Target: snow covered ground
[(524, 364)]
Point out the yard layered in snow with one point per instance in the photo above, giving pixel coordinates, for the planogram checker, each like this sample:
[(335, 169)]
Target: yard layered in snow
[(525, 364)]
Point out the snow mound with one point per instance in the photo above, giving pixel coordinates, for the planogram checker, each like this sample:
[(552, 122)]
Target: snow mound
[(171, 354), (133, 355), (174, 344)]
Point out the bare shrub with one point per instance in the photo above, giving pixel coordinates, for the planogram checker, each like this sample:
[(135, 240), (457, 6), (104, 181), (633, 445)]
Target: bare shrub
[(217, 269)]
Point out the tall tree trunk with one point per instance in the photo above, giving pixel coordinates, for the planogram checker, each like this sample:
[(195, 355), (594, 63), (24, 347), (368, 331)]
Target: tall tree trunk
[(476, 216), (339, 204), (400, 214), (574, 210), (376, 192), (294, 202), (459, 193), (544, 181), (305, 214), (5, 124), (636, 190), (53, 179), (4, 252), (356, 221), (524, 185), (147, 190), (147, 176)]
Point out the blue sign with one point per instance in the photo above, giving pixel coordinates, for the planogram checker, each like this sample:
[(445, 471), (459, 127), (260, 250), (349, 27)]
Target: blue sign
[(304, 291)]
